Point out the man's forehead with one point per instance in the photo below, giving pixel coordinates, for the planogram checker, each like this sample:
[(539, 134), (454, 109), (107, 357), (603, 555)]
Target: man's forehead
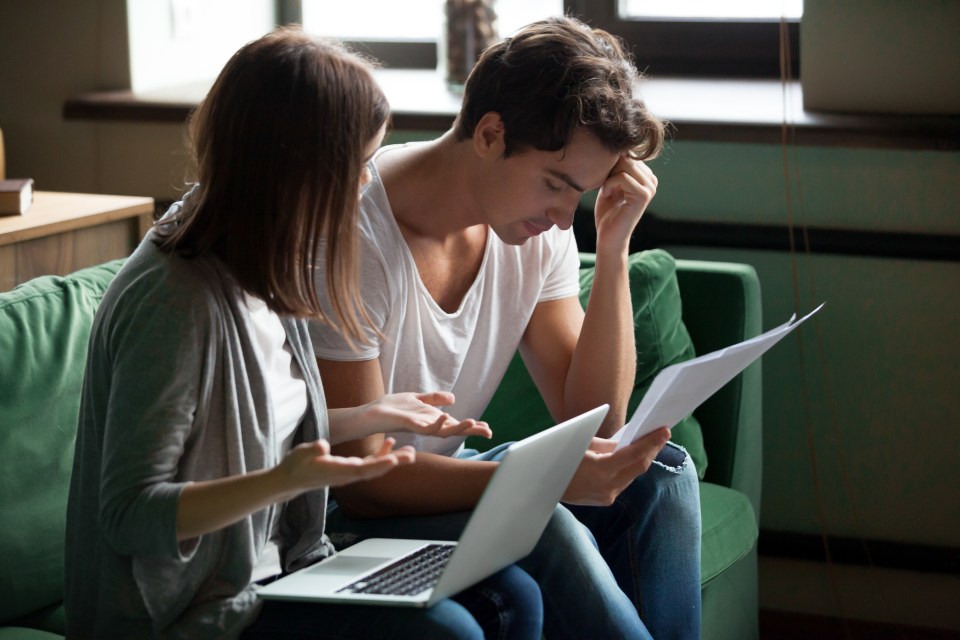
[(582, 169)]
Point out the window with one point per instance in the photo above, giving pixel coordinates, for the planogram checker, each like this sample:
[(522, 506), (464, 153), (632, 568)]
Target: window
[(737, 38), (405, 34), (709, 9), (183, 42)]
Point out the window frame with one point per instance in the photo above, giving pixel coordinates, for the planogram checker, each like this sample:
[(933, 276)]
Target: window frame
[(702, 48), (689, 48)]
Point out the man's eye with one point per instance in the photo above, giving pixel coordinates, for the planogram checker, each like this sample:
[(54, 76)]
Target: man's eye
[(554, 187)]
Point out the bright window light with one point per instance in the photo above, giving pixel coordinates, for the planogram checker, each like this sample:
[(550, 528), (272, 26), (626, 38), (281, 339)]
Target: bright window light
[(413, 20), (710, 9)]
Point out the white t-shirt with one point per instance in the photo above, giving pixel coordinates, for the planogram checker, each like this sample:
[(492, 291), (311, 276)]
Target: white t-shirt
[(284, 380), (427, 349), (287, 393)]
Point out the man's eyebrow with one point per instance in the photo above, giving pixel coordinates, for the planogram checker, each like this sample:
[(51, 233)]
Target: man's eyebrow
[(560, 175)]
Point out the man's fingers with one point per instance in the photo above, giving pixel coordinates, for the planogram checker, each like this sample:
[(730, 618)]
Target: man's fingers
[(645, 449), (624, 186), (630, 177), (660, 435), (603, 445), (638, 169)]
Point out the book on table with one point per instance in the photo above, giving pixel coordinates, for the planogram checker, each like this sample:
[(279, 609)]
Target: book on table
[(16, 196)]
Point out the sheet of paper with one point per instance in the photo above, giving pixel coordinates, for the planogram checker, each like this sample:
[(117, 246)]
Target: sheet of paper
[(680, 388)]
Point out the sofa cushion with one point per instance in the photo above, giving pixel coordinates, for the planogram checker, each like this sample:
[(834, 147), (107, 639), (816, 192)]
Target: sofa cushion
[(23, 633), (517, 410), (729, 529), (44, 329)]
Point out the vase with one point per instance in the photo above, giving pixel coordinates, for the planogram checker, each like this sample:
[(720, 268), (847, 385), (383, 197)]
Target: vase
[(470, 26)]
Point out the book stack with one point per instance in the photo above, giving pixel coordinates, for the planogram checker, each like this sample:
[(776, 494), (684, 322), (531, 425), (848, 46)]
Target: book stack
[(16, 196)]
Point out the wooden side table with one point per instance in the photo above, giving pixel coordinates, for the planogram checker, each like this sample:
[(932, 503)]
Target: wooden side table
[(63, 232)]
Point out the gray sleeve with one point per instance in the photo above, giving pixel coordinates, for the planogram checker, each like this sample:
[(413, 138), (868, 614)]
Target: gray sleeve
[(160, 343)]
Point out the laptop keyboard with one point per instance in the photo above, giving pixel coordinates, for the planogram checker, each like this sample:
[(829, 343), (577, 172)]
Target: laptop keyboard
[(406, 576)]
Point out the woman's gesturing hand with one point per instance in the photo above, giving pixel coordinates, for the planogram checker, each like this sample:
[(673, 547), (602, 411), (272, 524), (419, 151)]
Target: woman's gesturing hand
[(417, 413), (311, 466)]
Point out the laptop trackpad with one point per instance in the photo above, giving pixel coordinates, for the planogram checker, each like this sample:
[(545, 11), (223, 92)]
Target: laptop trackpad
[(347, 565)]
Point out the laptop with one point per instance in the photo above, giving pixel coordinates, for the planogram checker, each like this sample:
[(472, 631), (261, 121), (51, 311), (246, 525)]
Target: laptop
[(504, 527)]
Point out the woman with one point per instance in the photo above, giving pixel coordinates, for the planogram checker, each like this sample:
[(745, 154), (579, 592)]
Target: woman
[(202, 457)]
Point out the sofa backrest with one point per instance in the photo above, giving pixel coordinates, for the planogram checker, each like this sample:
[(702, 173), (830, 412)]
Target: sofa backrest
[(44, 330), (722, 306)]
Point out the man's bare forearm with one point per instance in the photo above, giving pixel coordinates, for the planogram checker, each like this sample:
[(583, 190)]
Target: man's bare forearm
[(432, 485), (604, 362)]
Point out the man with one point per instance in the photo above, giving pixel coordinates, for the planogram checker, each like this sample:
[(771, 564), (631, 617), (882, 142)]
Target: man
[(467, 255)]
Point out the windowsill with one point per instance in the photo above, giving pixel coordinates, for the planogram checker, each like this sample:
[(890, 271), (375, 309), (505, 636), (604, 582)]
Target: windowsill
[(742, 111)]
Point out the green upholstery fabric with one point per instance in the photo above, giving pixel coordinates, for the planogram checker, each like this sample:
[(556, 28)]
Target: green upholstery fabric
[(730, 602), (23, 633), (52, 619), (517, 410), (44, 328), (722, 306), (729, 529)]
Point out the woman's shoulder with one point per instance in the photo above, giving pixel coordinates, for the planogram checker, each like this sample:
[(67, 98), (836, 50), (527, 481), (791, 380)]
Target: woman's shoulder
[(157, 286)]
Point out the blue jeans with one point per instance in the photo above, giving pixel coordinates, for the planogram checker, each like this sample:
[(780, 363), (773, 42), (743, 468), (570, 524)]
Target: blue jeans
[(650, 538), (637, 558), (505, 606)]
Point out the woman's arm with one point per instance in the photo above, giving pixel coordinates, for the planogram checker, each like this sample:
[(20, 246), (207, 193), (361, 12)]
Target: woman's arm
[(214, 504), (414, 412)]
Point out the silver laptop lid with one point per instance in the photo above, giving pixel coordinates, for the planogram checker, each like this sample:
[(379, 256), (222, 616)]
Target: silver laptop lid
[(518, 502)]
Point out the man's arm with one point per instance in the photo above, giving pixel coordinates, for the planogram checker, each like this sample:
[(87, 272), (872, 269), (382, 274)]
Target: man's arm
[(433, 484), (578, 360)]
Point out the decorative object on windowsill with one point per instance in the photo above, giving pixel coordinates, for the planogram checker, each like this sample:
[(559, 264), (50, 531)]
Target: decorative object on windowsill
[(16, 196), (470, 26)]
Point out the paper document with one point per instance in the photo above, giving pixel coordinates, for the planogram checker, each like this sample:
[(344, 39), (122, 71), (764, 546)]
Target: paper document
[(680, 388)]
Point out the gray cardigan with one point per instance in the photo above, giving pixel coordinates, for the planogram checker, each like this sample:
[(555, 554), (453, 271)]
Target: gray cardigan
[(173, 393)]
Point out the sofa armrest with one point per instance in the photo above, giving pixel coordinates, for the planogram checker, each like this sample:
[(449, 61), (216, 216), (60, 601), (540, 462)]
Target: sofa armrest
[(721, 306)]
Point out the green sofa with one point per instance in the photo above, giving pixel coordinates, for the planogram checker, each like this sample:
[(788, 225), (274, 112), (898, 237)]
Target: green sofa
[(44, 327)]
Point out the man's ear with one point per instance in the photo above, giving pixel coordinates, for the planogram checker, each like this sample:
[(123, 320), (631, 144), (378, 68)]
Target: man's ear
[(488, 136)]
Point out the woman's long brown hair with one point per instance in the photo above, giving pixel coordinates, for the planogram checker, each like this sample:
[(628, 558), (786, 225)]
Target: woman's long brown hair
[(279, 145)]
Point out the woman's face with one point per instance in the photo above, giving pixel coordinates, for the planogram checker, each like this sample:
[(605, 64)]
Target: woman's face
[(368, 151)]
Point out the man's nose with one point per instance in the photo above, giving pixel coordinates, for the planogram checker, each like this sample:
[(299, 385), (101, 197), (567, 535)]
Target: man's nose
[(563, 218)]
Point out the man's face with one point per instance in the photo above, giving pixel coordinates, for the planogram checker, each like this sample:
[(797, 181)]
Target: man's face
[(531, 191)]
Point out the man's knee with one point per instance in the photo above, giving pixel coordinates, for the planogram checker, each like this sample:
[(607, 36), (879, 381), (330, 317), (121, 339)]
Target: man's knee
[(565, 532)]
